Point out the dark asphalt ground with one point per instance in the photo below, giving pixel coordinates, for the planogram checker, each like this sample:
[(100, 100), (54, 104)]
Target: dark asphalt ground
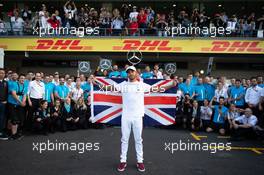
[(18, 158)]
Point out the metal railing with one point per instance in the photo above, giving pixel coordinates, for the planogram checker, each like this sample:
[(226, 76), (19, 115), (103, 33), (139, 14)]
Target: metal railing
[(110, 32)]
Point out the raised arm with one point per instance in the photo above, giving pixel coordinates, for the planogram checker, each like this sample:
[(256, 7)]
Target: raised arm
[(103, 86), (163, 88), (211, 102), (74, 6), (65, 5)]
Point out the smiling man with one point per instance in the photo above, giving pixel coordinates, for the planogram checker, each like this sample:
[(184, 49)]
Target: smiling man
[(132, 113)]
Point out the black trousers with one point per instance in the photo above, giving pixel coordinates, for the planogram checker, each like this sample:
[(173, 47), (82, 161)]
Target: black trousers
[(42, 126), (83, 123), (55, 124), (71, 125), (3, 117), (68, 125), (244, 132), (31, 111)]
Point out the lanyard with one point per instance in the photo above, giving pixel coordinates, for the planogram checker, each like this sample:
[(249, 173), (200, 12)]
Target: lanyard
[(19, 88), (219, 115), (38, 83), (77, 95)]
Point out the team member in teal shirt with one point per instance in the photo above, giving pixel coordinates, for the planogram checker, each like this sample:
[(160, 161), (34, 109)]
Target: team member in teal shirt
[(61, 91), (147, 73), (220, 116), (194, 79), (123, 72), (209, 89), (17, 102), (186, 87), (115, 73), (13, 79), (237, 95), (86, 87), (199, 92), (49, 89)]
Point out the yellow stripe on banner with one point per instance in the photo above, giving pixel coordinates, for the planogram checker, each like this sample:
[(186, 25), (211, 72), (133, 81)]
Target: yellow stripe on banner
[(149, 44)]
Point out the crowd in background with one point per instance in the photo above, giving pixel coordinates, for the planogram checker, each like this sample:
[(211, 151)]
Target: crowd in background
[(46, 103), (127, 20)]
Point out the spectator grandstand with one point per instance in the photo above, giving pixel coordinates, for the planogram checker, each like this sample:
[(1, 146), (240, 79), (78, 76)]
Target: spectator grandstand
[(130, 20)]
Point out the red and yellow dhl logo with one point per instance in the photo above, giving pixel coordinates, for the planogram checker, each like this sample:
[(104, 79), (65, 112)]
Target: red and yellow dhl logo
[(235, 46), (61, 44), (146, 45)]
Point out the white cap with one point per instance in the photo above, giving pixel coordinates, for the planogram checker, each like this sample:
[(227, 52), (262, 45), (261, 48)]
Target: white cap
[(131, 68)]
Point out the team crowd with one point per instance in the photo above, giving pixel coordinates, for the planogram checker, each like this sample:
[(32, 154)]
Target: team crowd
[(46, 103)]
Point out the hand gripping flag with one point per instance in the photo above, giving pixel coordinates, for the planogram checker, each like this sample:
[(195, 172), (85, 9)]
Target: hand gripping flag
[(160, 108)]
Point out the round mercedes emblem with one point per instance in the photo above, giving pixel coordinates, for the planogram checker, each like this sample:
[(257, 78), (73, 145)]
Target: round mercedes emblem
[(170, 68), (134, 57), (84, 66), (105, 64)]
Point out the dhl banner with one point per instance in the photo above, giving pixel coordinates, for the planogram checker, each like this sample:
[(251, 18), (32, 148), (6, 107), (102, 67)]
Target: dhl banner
[(123, 45)]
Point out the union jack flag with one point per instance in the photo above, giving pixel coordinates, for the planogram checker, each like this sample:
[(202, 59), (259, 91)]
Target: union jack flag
[(160, 108)]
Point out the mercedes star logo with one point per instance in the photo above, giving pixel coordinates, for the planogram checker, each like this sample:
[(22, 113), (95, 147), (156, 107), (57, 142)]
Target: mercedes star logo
[(134, 57), (84, 66), (105, 64), (170, 68)]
